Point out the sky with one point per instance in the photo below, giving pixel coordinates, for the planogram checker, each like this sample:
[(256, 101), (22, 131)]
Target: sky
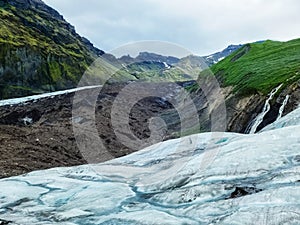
[(199, 26)]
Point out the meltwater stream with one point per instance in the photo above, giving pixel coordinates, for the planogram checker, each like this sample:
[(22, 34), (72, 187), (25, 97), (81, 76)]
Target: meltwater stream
[(254, 179), (260, 117), (282, 107)]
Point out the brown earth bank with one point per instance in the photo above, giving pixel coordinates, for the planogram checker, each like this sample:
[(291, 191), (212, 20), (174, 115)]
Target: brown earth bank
[(47, 140)]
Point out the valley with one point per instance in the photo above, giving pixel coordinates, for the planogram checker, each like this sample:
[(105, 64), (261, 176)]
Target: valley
[(88, 137)]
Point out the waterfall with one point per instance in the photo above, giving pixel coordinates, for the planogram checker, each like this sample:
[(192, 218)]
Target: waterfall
[(282, 107), (260, 117)]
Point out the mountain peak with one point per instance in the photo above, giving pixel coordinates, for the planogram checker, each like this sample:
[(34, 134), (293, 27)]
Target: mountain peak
[(216, 57), (33, 4)]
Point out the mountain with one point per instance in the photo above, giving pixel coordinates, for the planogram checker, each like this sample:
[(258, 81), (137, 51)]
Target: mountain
[(192, 63), (260, 67), (211, 178), (156, 71), (178, 69), (170, 60), (154, 67), (39, 50), (146, 56), (259, 82), (218, 56), (261, 76)]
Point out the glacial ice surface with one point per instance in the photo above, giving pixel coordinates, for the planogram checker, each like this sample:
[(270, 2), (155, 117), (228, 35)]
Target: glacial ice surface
[(292, 119), (24, 100), (210, 178)]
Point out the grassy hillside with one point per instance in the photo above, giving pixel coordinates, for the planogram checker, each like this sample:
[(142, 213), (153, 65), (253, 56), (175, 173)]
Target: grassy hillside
[(259, 67), (39, 50)]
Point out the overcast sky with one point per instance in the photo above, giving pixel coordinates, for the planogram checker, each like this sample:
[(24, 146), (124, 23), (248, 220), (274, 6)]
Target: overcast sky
[(201, 26)]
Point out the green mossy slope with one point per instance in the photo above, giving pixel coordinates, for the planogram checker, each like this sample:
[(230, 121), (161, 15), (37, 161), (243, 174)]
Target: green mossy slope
[(260, 67), (39, 50)]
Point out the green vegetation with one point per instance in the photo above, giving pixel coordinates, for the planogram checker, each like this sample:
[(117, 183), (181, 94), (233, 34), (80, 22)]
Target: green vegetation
[(154, 72), (39, 51), (259, 67)]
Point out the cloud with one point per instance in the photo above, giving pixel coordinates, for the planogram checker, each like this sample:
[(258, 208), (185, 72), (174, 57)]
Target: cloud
[(202, 26)]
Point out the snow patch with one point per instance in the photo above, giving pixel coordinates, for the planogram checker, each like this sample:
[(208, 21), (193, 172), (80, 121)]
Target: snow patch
[(166, 65), (220, 59)]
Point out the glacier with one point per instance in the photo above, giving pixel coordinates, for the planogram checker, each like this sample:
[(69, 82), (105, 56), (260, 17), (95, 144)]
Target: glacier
[(209, 178), (25, 100)]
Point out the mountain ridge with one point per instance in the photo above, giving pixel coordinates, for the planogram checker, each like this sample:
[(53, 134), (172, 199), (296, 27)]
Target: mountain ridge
[(171, 60)]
